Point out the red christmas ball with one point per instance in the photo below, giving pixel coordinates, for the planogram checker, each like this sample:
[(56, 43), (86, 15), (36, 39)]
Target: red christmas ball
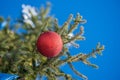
[(49, 44)]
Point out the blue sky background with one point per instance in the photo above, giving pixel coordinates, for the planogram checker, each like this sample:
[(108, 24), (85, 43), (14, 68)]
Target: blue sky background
[(103, 22)]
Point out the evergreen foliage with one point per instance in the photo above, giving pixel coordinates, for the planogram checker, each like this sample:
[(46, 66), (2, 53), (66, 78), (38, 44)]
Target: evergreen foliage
[(18, 53)]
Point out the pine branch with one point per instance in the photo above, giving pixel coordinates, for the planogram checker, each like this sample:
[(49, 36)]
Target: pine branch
[(76, 72), (19, 55)]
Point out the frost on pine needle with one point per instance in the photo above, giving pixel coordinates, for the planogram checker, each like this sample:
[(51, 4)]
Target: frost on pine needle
[(28, 21), (19, 54), (72, 43), (29, 11)]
